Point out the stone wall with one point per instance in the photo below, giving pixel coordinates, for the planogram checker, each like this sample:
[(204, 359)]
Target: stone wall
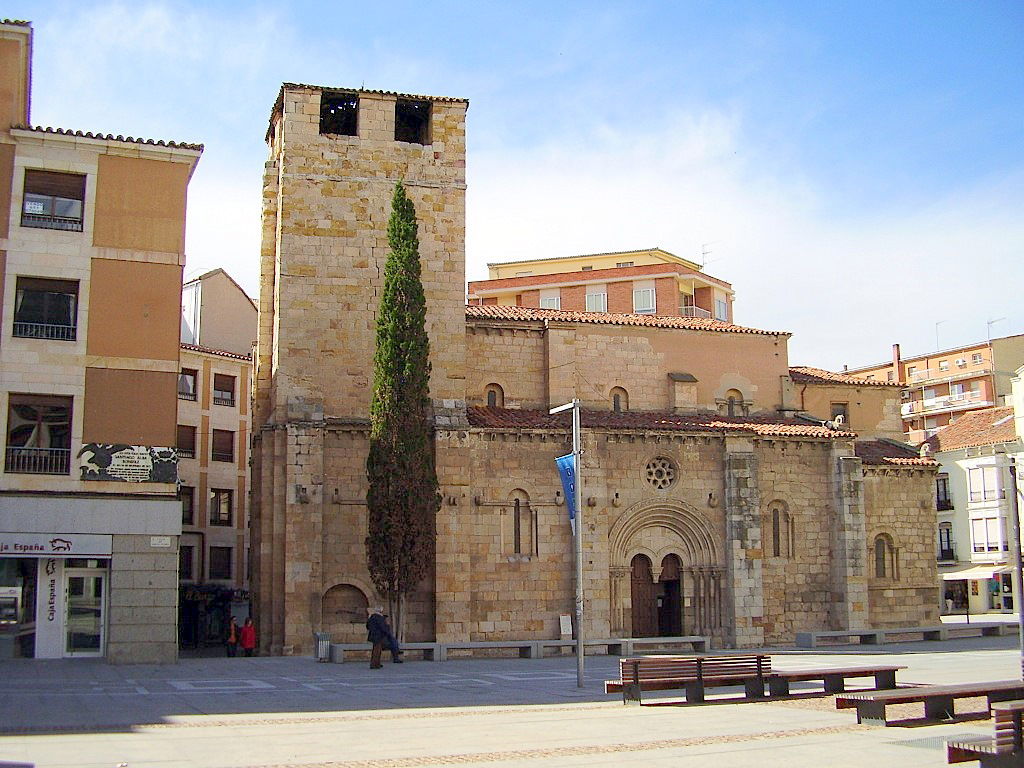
[(143, 595)]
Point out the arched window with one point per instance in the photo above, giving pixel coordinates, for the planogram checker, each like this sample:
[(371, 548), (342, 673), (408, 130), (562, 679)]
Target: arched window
[(885, 557), (495, 396), (734, 403), (779, 525), (520, 525), (620, 400)]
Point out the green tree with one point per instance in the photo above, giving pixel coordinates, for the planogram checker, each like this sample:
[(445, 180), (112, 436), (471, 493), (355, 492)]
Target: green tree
[(403, 498)]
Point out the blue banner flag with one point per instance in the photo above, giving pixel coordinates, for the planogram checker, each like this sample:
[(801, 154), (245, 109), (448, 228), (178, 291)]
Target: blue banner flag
[(567, 469)]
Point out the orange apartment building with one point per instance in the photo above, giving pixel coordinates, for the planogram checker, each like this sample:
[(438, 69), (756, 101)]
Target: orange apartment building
[(939, 387), (92, 232), (218, 330), (645, 282)]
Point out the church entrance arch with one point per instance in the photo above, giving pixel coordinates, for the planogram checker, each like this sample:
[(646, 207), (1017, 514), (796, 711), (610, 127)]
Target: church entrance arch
[(670, 558)]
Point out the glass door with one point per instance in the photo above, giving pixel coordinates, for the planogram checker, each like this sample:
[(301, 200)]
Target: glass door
[(85, 618)]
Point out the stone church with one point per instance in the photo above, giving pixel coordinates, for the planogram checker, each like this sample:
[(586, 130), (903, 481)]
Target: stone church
[(717, 498)]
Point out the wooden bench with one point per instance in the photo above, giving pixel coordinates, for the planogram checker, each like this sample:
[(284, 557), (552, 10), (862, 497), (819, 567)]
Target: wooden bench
[(626, 646), (875, 636), (1004, 749), (692, 673), (938, 699), (834, 678), (527, 649), (431, 651)]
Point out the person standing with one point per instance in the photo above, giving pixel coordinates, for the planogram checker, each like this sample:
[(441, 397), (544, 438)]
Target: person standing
[(232, 639), (247, 637), (379, 633)]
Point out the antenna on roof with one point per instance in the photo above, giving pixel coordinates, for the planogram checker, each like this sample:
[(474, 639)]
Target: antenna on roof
[(705, 251)]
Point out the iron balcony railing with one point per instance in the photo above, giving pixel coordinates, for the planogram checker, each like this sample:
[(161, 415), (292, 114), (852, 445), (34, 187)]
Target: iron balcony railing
[(222, 455), (186, 453), (44, 331), (944, 505), (38, 461), (183, 395), (44, 221), (694, 312), (223, 399), (947, 553)]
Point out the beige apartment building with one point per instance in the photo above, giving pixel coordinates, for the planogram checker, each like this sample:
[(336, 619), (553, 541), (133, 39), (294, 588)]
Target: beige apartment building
[(91, 253), (940, 387), (218, 331), (646, 282), (719, 496)]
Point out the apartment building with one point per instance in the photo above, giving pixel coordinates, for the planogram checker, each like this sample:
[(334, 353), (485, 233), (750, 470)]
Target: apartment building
[(218, 330), (940, 387), (646, 282), (91, 253)]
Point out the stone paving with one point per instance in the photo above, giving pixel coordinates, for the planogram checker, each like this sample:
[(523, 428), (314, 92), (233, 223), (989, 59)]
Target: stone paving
[(277, 712)]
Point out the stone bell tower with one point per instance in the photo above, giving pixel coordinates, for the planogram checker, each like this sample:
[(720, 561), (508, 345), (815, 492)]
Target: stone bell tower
[(335, 155)]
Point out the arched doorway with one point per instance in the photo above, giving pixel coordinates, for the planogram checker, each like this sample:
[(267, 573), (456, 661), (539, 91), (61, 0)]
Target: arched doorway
[(669, 597), (642, 593)]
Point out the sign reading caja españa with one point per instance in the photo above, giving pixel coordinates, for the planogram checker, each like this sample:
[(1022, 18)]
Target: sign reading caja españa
[(54, 544)]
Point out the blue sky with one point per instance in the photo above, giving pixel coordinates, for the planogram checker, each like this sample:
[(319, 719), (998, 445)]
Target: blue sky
[(854, 169)]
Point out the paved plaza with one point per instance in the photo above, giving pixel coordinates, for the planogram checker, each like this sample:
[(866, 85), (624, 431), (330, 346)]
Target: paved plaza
[(294, 712)]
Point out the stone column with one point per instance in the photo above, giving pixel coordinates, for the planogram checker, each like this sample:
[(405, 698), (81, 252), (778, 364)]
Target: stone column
[(620, 599), (849, 607), (743, 545), (452, 574)]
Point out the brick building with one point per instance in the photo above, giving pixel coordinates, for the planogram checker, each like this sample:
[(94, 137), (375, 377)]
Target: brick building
[(92, 234), (715, 499)]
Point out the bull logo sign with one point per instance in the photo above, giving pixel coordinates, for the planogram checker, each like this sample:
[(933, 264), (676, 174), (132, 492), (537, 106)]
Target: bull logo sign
[(60, 545)]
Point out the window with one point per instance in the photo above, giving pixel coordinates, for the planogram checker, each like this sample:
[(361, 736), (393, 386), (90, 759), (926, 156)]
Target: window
[(942, 500), (643, 301), (223, 389), (721, 309), (885, 558), (946, 542), (45, 309), (984, 483), (943, 365), (781, 526), (187, 384), (223, 445), (988, 534), (841, 409), (624, 264), (186, 442), (956, 391), (220, 562), (520, 527), (339, 114), (550, 298), (53, 200), (734, 405), (186, 559), (187, 494), (976, 358), (38, 435), (597, 300), (495, 396), (220, 506), (586, 269), (620, 400), (527, 273), (911, 370), (412, 121), (890, 376)]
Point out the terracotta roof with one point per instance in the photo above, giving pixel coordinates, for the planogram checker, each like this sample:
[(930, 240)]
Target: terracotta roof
[(803, 373), (586, 256), (885, 452), (763, 426), (986, 426), (496, 312), (109, 137), (218, 352), (608, 274)]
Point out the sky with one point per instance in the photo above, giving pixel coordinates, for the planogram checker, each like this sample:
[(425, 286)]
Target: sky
[(854, 169)]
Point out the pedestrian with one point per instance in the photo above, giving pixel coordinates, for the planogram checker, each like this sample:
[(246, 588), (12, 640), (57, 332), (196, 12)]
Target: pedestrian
[(247, 637), (379, 633), (232, 639), (949, 601)]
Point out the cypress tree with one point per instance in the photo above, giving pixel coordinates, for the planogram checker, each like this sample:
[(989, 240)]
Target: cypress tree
[(402, 499)]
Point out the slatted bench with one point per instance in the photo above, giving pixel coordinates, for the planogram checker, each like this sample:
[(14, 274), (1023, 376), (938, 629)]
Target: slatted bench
[(834, 678), (431, 651), (627, 646), (527, 649), (1004, 749), (938, 699), (875, 636), (692, 673)]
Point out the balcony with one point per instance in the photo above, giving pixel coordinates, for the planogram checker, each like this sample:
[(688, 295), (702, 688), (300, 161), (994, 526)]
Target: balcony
[(944, 505), (946, 554), (44, 331), (694, 312), (943, 403), (38, 461)]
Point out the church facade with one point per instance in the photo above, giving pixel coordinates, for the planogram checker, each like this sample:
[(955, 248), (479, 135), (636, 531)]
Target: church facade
[(715, 501)]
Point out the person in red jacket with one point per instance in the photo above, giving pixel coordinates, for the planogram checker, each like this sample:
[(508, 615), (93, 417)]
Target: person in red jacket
[(247, 638)]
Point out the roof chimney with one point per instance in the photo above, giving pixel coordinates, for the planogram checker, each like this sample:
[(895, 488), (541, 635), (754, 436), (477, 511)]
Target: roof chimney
[(896, 363)]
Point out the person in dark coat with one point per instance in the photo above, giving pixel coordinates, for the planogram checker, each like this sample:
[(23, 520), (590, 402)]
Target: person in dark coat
[(232, 639), (379, 633)]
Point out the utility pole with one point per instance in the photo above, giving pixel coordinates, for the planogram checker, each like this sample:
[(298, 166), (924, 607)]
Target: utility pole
[(1018, 569), (577, 454)]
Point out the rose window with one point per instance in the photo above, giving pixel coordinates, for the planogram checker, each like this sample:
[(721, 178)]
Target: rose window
[(661, 472)]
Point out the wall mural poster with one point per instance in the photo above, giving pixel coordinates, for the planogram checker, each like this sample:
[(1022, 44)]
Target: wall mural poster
[(128, 463)]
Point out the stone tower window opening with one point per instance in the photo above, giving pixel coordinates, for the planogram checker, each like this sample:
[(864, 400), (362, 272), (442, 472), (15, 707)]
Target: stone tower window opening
[(661, 472), (412, 121), (734, 402), (620, 400), (521, 526), (780, 524), (339, 114), (495, 396), (885, 557)]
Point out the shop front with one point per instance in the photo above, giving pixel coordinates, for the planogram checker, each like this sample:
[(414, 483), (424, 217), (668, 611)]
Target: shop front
[(54, 595), (978, 589)]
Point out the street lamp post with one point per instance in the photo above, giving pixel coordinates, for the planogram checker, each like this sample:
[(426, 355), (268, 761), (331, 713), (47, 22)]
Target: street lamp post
[(577, 452), (1018, 569)]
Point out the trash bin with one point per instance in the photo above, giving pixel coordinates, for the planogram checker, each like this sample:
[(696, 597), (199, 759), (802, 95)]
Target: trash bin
[(322, 646)]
